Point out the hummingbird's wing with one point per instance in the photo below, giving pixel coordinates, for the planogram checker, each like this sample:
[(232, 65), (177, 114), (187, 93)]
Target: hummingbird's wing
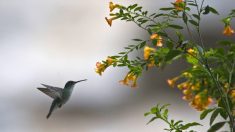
[(53, 92)]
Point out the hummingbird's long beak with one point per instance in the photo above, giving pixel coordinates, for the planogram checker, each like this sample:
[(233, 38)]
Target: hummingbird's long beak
[(81, 80)]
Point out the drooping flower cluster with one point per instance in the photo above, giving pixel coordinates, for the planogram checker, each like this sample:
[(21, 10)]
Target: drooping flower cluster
[(193, 91), (100, 67), (112, 6), (179, 5), (130, 80), (192, 52), (228, 31), (147, 56), (201, 101)]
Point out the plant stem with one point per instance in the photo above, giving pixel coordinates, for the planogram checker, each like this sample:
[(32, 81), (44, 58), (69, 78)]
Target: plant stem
[(204, 62), (225, 99)]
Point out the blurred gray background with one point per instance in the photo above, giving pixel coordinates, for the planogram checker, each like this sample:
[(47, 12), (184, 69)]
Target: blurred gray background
[(53, 41)]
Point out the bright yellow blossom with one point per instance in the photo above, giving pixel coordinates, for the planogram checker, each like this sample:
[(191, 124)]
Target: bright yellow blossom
[(228, 31), (147, 52)]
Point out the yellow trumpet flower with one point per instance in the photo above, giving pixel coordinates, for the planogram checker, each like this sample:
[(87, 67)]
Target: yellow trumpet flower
[(109, 21), (100, 68), (112, 6), (171, 82), (228, 31), (110, 61)]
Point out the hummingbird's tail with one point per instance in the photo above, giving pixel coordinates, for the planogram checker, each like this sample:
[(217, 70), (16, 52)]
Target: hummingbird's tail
[(48, 115), (53, 107)]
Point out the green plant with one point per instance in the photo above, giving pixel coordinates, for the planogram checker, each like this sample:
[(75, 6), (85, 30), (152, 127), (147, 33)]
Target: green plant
[(211, 74), (161, 112)]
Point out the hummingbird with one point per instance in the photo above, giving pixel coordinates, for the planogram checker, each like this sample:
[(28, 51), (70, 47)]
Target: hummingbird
[(60, 96)]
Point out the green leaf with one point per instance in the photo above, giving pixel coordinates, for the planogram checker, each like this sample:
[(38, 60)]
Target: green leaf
[(144, 21), (225, 42), (122, 53), (209, 9), (133, 6), (152, 14), (138, 9), (223, 113), (153, 110), (142, 44), (158, 15), (178, 122), (162, 34), (172, 54), (186, 126), (165, 114), (205, 112), (196, 16), (169, 44), (192, 4), (227, 20), (216, 126), (154, 118), (175, 26), (193, 22), (146, 114), (206, 10), (150, 31), (164, 106), (167, 9), (213, 116), (137, 40), (213, 11), (185, 18), (191, 60)]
